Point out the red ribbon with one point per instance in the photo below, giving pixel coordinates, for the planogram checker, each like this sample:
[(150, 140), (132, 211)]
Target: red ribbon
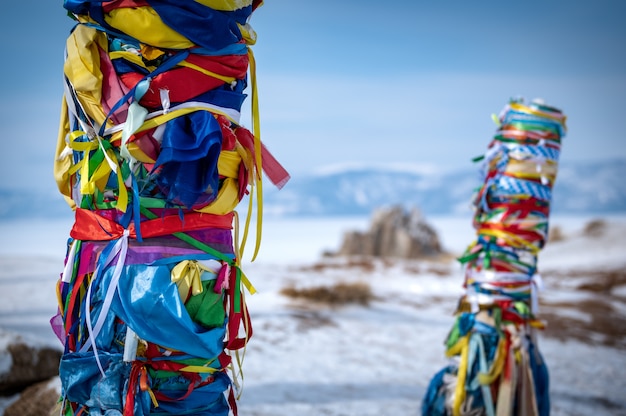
[(88, 225), (238, 315), (178, 79), (276, 173)]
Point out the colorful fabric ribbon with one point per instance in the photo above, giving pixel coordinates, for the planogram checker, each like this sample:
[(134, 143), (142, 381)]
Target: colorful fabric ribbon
[(153, 160), (496, 367)]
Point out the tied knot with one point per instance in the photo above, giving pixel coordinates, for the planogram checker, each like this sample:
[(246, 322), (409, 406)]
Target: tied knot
[(188, 276)]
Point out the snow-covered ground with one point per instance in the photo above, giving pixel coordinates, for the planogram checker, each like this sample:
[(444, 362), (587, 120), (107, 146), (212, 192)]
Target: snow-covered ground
[(314, 359)]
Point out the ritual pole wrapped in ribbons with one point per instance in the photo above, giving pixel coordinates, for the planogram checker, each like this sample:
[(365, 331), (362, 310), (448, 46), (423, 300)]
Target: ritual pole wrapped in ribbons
[(153, 159), (495, 365)]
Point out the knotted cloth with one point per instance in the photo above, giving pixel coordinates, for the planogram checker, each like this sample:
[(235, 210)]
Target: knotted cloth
[(495, 365), (152, 158)]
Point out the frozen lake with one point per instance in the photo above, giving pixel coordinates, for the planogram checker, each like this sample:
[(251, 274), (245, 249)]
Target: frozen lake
[(310, 359)]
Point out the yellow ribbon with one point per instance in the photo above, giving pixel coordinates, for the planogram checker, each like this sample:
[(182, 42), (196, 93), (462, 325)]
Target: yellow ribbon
[(228, 195), (460, 348), (145, 24), (188, 276), (225, 79), (496, 120), (528, 110), (130, 57), (510, 238), (62, 161), (527, 169), (246, 282), (89, 183), (82, 69), (199, 369), (257, 174)]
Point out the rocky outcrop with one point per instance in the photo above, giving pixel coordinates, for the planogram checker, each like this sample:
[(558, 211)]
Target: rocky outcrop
[(29, 384), (24, 365), (36, 400), (393, 232)]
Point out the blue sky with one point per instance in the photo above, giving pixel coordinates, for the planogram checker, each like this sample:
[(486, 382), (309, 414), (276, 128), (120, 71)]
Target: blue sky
[(368, 82)]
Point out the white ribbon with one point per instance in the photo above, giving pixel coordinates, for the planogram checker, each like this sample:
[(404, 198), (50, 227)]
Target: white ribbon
[(68, 270), (165, 99), (229, 112), (130, 345), (121, 248), (135, 119), (536, 287)]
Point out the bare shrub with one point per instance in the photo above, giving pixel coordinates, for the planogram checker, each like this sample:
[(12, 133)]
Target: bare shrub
[(338, 294)]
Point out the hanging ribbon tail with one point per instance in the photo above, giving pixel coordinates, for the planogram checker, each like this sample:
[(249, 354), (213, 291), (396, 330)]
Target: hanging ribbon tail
[(276, 173)]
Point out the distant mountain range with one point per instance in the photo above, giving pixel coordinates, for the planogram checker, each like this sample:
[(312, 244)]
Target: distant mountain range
[(581, 188)]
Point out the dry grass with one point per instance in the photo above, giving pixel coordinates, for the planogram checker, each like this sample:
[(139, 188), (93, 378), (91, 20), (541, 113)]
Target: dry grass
[(335, 295), (597, 281), (598, 319), (436, 264), (605, 281), (605, 326), (365, 264)]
